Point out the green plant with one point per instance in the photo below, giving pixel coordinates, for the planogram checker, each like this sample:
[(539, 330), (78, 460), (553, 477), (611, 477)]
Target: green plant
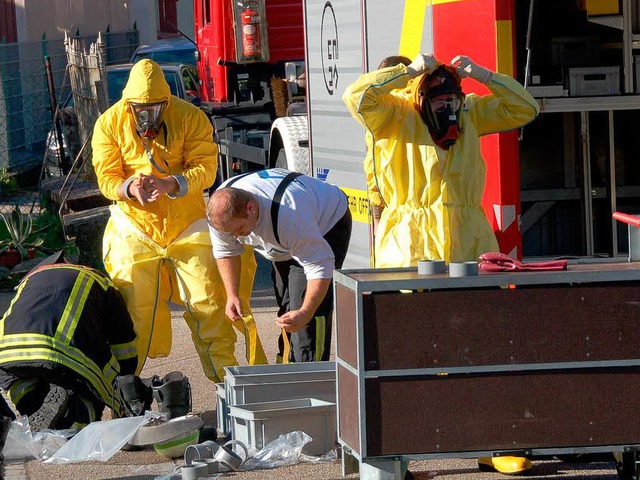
[(22, 233), (8, 182)]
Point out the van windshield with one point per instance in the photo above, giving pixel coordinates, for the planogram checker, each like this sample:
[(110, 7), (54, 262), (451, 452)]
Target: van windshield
[(169, 56)]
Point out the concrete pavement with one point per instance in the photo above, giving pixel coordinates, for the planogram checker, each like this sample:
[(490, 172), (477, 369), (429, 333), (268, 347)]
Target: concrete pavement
[(148, 465)]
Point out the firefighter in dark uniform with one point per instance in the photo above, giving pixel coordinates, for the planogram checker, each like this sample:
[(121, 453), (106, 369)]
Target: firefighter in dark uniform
[(64, 340)]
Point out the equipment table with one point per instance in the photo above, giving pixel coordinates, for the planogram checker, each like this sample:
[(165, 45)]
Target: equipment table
[(518, 363)]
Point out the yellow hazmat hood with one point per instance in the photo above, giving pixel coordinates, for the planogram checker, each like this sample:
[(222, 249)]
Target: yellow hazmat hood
[(146, 83)]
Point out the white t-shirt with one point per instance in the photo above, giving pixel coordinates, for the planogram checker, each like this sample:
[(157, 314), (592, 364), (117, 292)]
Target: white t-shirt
[(309, 208)]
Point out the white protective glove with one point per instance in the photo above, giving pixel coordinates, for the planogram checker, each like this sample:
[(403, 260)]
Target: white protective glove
[(423, 63), (467, 68)]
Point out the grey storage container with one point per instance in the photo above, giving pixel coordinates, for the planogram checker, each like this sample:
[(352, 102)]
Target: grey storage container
[(258, 424), (273, 382), (222, 411), (594, 81)]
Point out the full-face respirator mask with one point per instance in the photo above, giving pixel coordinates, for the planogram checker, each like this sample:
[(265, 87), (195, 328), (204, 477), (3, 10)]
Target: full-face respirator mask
[(440, 99), (148, 118)]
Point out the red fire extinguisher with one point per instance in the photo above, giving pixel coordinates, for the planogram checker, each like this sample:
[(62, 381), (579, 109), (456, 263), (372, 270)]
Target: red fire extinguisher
[(250, 20)]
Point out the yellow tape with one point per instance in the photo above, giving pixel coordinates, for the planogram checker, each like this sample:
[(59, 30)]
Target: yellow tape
[(255, 352), (286, 351)]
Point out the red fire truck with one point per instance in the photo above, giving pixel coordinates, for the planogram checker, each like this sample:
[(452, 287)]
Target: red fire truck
[(251, 66)]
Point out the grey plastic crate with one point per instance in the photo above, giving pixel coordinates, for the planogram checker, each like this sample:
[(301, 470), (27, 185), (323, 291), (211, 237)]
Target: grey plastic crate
[(594, 81), (257, 424), (222, 411), (279, 372), (283, 381)]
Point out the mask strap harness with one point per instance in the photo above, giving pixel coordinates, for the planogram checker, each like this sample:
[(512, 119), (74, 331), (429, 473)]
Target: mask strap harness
[(150, 155)]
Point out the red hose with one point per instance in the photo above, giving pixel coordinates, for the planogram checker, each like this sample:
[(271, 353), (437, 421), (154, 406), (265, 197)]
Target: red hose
[(626, 218)]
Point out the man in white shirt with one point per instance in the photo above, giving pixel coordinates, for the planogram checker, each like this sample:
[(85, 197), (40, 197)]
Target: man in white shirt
[(301, 224)]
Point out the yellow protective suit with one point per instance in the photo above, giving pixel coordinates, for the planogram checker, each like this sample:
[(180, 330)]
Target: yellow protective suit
[(433, 195), (370, 159), (162, 251), (373, 154)]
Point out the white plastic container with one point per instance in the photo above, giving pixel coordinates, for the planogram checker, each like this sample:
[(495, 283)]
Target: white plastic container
[(257, 424)]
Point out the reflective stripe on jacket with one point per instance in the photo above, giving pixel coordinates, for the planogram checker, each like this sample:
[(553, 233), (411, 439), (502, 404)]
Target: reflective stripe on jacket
[(71, 316)]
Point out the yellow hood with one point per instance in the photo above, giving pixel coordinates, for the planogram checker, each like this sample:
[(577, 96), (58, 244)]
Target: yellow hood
[(146, 83)]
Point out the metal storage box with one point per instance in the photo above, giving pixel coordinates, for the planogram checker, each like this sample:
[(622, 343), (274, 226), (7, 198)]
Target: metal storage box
[(258, 424), (283, 381), (593, 81)]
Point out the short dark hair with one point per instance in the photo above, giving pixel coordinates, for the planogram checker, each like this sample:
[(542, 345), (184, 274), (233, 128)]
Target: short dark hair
[(394, 60)]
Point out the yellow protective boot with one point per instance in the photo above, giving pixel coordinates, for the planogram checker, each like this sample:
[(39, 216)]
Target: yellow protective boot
[(505, 465)]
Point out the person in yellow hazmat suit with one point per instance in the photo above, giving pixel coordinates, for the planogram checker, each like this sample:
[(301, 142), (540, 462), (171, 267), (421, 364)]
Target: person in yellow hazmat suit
[(428, 166), (154, 154), (375, 200)]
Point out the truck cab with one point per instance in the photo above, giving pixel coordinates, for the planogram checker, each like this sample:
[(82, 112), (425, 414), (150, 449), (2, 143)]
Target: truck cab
[(251, 55)]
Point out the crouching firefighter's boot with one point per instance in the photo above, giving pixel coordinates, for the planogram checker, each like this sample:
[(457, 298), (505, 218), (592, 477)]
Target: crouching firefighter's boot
[(506, 465), (135, 394), (173, 394)]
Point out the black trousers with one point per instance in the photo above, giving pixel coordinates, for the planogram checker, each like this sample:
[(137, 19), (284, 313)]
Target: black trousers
[(312, 343)]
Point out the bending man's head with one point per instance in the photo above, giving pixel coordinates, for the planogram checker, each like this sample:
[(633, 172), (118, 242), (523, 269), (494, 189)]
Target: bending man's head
[(233, 210)]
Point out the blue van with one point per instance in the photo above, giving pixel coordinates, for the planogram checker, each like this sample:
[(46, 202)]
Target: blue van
[(170, 50)]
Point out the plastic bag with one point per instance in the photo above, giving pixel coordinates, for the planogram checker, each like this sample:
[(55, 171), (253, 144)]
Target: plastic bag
[(330, 456), (22, 444), (284, 450), (46, 443), (18, 444), (100, 440)]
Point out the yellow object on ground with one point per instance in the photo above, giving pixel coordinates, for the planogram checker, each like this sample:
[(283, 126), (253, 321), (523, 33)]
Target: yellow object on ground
[(505, 465)]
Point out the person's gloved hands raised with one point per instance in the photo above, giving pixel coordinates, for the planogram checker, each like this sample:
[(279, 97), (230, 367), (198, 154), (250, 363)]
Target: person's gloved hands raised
[(423, 63), (468, 68)]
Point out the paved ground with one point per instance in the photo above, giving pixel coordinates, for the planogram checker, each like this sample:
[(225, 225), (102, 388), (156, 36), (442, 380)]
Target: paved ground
[(148, 465)]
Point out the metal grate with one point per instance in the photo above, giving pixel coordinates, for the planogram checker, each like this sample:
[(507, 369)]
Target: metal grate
[(25, 112)]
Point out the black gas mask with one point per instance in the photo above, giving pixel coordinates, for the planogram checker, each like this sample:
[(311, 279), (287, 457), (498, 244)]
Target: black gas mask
[(440, 98), (148, 117)]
